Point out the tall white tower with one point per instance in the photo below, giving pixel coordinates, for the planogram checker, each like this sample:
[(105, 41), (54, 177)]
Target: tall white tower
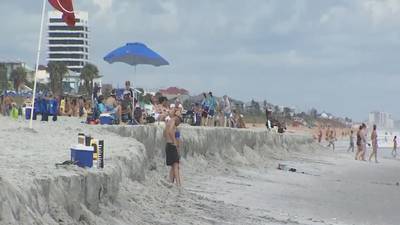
[(68, 44)]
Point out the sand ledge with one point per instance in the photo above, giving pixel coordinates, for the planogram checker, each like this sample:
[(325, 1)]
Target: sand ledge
[(78, 196)]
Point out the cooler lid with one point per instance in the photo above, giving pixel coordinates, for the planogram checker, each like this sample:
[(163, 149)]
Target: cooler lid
[(81, 147)]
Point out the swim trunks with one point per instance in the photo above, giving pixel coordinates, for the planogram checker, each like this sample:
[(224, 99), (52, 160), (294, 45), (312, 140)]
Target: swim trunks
[(171, 153)]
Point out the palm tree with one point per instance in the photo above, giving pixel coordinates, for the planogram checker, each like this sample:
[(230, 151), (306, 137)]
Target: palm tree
[(3, 78), (18, 77), (88, 74), (57, 71)]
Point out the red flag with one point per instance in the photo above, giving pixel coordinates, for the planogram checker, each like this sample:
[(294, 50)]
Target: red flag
[(66, 7)]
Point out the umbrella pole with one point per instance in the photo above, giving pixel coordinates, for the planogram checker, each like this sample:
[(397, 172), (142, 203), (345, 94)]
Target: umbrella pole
[(134, 95), (134, 76)]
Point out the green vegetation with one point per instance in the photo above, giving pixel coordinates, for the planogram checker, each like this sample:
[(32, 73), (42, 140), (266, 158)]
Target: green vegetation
[(88, 74), (3, 78), (57, 71), (18, 77)]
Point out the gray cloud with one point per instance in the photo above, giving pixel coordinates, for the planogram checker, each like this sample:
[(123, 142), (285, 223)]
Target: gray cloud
[(339, 56)]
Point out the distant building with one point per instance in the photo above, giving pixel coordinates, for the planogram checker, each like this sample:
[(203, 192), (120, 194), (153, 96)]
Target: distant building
[(69, 45), (71, 80), (12, 65), (381, 120)]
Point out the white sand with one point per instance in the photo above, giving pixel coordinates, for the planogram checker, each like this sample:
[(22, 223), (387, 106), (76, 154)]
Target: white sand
[(229, 178)]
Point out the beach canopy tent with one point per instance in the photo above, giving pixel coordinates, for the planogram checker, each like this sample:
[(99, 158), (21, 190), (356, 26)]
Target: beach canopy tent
[(15, 94)]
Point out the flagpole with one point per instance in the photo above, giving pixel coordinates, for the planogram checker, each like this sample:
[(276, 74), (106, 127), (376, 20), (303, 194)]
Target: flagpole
[(37, 62)]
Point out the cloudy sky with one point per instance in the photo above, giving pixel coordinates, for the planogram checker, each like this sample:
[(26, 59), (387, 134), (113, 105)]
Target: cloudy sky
[(340, 56)]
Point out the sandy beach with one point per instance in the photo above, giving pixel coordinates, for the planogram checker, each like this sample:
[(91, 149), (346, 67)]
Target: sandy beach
[(230, 177)]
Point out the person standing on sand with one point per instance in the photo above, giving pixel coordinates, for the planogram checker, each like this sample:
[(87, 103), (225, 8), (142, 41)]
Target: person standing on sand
[(358, 142), (394, 152), (374, 139), (363, 143), (327, 133), (320, 135), (351, 146), (205, 108), (227, 110), (171, 149), (212, 103), (332, 140)]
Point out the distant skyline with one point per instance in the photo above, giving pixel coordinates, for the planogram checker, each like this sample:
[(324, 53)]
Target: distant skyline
[(337, 56)]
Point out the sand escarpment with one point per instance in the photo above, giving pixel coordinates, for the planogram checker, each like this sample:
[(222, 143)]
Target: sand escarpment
[(34, 191), (226, 146)]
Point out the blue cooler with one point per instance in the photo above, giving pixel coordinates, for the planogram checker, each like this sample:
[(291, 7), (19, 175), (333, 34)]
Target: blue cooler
[(106, 119), (82, 155)]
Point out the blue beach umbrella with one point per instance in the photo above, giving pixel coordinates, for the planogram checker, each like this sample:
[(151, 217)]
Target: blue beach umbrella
[(135, 54)]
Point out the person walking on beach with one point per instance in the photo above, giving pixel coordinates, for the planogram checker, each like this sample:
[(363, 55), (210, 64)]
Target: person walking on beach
[(320, 135), (374, 140), (327, 133), (359, 148), (351, 146), (363, 142), (332, 139), (394, 151), (171, 149)]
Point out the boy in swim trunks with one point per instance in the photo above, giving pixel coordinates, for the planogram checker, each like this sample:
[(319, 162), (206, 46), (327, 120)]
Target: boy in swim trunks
[(171, 149)]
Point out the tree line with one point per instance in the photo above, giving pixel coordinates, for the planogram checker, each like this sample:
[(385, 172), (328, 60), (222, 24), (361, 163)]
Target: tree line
[(57, 72)]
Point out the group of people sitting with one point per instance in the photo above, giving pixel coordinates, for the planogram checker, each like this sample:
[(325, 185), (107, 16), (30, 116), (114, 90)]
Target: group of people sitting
[(125, 108), (75, 107), (128, 110)]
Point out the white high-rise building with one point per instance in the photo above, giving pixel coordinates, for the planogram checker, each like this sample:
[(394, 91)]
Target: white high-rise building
[(68, 44), (381, 120)]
